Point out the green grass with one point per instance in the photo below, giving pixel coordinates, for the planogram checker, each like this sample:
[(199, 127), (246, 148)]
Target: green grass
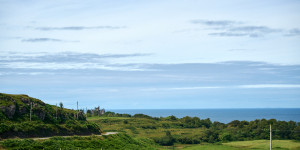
[(141, 133), (142, 127), (210, 147), (110, 142), (265, 144), (151, 129), (244, 145)]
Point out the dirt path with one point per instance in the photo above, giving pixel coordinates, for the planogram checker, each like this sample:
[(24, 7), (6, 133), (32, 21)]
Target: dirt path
[(106, 133)]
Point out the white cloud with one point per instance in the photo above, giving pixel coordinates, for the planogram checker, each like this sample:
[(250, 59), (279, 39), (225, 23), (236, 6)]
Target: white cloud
[(254, 86), (56, 66), (270, 86)]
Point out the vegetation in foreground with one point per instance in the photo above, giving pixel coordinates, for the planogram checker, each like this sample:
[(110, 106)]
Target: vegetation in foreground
[(110, 142), (265, 144), (192, 130), (136, 132), (244, 145)]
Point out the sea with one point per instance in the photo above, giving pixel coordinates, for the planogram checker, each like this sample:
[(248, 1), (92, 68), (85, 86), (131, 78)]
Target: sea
[(221, 115)]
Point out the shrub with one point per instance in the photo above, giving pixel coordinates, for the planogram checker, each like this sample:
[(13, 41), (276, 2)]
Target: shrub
[(226, 137), (142, 116), (166, 140), (188, 140)]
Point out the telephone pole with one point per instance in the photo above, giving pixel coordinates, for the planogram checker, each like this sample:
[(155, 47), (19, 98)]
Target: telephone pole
[(270, 137), (30, 110), (86, 112), (77, 110), (56, 112)]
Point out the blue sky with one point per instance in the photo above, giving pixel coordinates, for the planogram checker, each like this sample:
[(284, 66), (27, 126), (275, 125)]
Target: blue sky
[(152, 54)]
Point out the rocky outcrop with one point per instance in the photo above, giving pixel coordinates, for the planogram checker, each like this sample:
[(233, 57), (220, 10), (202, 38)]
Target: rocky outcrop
[(9, 111)]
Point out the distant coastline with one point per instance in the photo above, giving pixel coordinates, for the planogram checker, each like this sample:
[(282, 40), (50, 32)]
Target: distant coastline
[(224, 115)]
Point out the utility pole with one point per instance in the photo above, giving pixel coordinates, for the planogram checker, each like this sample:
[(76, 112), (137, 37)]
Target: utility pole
[(86, 112), (30, 110), (77, 110), (98, 110), (56, 112), (270, 137)]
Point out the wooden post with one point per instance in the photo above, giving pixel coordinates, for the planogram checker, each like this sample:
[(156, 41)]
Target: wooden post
[(270, 137), (30, 111), (56, 112), (77, 110), (86, 112)]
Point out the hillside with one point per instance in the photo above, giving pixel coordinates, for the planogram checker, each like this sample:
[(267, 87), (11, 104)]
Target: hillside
[(46, 120)]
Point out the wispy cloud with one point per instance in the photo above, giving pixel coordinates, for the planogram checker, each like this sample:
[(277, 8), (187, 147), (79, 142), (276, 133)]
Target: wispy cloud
[(262, 29), (65, 57), (69, 60), (181, 88), (76, 28), (215, 22), (270, 86), (230, 34), (228, 28), (42, 40), (254, 86), (293, 32)]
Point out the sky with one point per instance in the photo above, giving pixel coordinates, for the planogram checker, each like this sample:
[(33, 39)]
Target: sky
[(158, 54)]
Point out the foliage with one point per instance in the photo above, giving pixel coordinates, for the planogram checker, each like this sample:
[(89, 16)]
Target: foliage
[(40, 110), (264, 144), (192, 130), (47, 120), (166, 140), (118, 141), (143, 116), (40, 129)]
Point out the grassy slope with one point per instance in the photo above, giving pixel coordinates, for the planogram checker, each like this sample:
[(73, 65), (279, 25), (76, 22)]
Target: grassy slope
[(256, 144), (142, 127), (133, 128), (138, 138), (22, 103), (210, 147), (265, 144), (118, 141), (44, 122)]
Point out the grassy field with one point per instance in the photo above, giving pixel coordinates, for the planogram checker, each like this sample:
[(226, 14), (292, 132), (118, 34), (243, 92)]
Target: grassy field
[(142, 127), (141, 133), (149, 128), (265, 144), (244, 145), (210, 147), (109, 142)]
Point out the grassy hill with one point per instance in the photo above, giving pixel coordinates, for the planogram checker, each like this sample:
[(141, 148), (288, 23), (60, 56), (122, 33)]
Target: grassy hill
[(109, 142), (46, 120)]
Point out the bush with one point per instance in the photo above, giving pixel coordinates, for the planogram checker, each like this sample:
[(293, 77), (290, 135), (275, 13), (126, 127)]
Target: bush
[(142, 116), (188, 140), (166, 140), (93, 127), (226, 137), (118, 141), (4, 127)]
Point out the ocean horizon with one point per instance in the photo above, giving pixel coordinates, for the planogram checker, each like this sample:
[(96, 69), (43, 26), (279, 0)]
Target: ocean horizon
[(224, 115)]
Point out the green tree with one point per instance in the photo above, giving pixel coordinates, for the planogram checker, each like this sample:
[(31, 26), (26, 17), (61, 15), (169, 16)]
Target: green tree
[(61, 105)]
